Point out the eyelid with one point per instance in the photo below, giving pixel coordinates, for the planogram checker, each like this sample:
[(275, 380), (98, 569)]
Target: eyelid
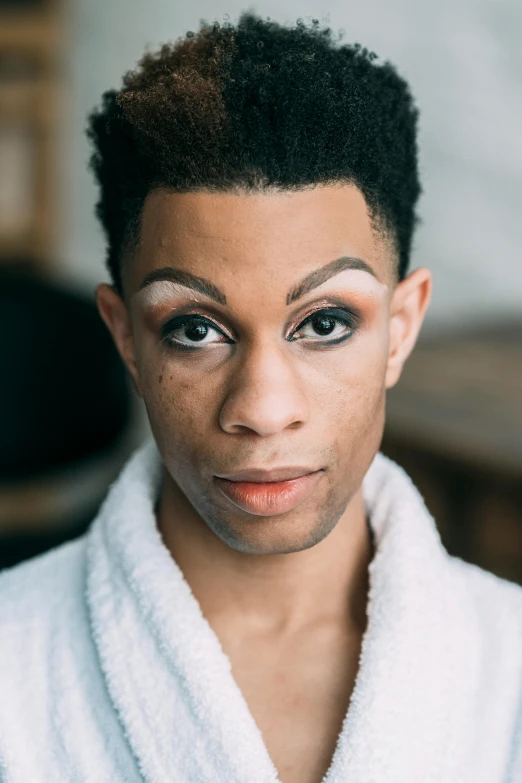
[(191, 314), (325, 302), (332, 303)]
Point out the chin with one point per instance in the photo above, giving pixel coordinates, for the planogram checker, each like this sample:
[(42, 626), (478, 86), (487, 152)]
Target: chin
[(271, 537)]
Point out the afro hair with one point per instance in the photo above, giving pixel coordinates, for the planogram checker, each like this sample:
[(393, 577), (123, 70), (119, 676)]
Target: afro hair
[(252, 106)]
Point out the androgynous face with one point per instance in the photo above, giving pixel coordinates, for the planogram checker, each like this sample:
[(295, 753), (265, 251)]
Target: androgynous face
[(262, 371)]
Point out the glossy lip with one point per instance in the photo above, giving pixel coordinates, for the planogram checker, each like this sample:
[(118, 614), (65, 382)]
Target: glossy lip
[(265, 476), (268, 498)]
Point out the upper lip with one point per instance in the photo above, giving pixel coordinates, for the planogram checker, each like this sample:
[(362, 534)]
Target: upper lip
[(262, 476)]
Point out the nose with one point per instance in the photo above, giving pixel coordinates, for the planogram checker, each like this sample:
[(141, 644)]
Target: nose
[(266, 395)]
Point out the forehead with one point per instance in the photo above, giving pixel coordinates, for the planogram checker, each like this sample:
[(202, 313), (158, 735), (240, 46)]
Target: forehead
[(271, 232)]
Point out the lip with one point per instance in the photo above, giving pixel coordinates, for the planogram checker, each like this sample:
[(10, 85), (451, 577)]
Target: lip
[(268, 499), (261, 476)]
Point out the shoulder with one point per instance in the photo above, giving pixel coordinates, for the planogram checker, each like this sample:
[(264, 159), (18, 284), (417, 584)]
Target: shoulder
[(490, 618), (40, 600), (493, 608), (54, 698), (495, 600), (35, 587), (490, 612), (42, 631)]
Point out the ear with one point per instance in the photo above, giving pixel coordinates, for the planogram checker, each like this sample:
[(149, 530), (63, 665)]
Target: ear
[(409, 303), (114, 312)]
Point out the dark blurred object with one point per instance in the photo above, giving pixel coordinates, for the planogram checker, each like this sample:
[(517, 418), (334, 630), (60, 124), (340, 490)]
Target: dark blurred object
[(63, 393), (65, 402), (21, 4), (454, 421)]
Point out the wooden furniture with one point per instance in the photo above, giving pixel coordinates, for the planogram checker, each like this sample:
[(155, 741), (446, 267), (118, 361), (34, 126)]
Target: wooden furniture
[(454, 422), (30, 74)]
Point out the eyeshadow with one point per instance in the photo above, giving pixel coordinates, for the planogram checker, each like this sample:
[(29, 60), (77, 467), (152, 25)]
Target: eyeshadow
[(161, 292)]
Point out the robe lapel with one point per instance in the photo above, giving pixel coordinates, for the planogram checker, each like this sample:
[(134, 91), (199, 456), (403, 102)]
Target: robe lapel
[(404, 722), (167, 675)]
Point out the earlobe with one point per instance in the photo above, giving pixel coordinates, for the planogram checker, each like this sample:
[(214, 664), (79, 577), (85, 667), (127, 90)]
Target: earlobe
[(115, 315), (408, 308)]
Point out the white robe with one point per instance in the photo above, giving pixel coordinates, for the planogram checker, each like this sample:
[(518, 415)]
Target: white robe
[(109, 671)]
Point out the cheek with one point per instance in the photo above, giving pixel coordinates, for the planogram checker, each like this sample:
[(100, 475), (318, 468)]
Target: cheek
[(179, 410), (351, 398), (352, 380)]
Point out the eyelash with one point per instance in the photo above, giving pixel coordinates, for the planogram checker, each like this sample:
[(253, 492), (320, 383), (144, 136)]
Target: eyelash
[(341, 315)]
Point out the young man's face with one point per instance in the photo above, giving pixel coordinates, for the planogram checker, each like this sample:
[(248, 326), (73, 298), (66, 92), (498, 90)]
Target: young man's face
[(253, 382)]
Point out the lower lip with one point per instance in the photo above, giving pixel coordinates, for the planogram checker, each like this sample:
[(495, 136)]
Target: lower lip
[(266, 500)]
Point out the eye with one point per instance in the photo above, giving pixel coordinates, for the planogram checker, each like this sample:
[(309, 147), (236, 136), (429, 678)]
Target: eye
[(194, 327), (324, 323)]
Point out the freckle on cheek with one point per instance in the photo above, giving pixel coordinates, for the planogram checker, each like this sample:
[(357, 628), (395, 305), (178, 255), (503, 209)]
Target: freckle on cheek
[(160, 379)]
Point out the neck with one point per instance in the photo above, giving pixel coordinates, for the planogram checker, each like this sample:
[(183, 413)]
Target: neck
[(280, 593)]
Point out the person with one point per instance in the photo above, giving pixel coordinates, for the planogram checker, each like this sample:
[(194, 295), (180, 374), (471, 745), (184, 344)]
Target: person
[(263, 595)]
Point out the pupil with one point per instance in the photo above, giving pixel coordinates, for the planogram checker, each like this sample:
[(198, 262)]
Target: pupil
[(193, 331), (322, 320)]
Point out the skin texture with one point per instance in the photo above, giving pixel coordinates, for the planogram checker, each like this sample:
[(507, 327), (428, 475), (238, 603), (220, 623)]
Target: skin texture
[(265, 391)]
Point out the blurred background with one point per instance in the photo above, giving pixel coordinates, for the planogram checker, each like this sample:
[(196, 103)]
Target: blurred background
[(68, 415)]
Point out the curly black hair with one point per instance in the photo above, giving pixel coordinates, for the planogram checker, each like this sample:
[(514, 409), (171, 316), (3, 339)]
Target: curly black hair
[(252, 106)]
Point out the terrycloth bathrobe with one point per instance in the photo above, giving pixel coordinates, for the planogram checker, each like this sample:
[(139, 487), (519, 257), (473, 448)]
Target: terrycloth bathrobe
[(109, 671)]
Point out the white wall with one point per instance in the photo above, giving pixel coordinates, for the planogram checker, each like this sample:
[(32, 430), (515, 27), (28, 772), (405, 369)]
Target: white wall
[(463, 59)]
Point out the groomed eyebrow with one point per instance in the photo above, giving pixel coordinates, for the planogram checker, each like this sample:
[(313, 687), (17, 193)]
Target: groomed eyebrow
[(307, 284)]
